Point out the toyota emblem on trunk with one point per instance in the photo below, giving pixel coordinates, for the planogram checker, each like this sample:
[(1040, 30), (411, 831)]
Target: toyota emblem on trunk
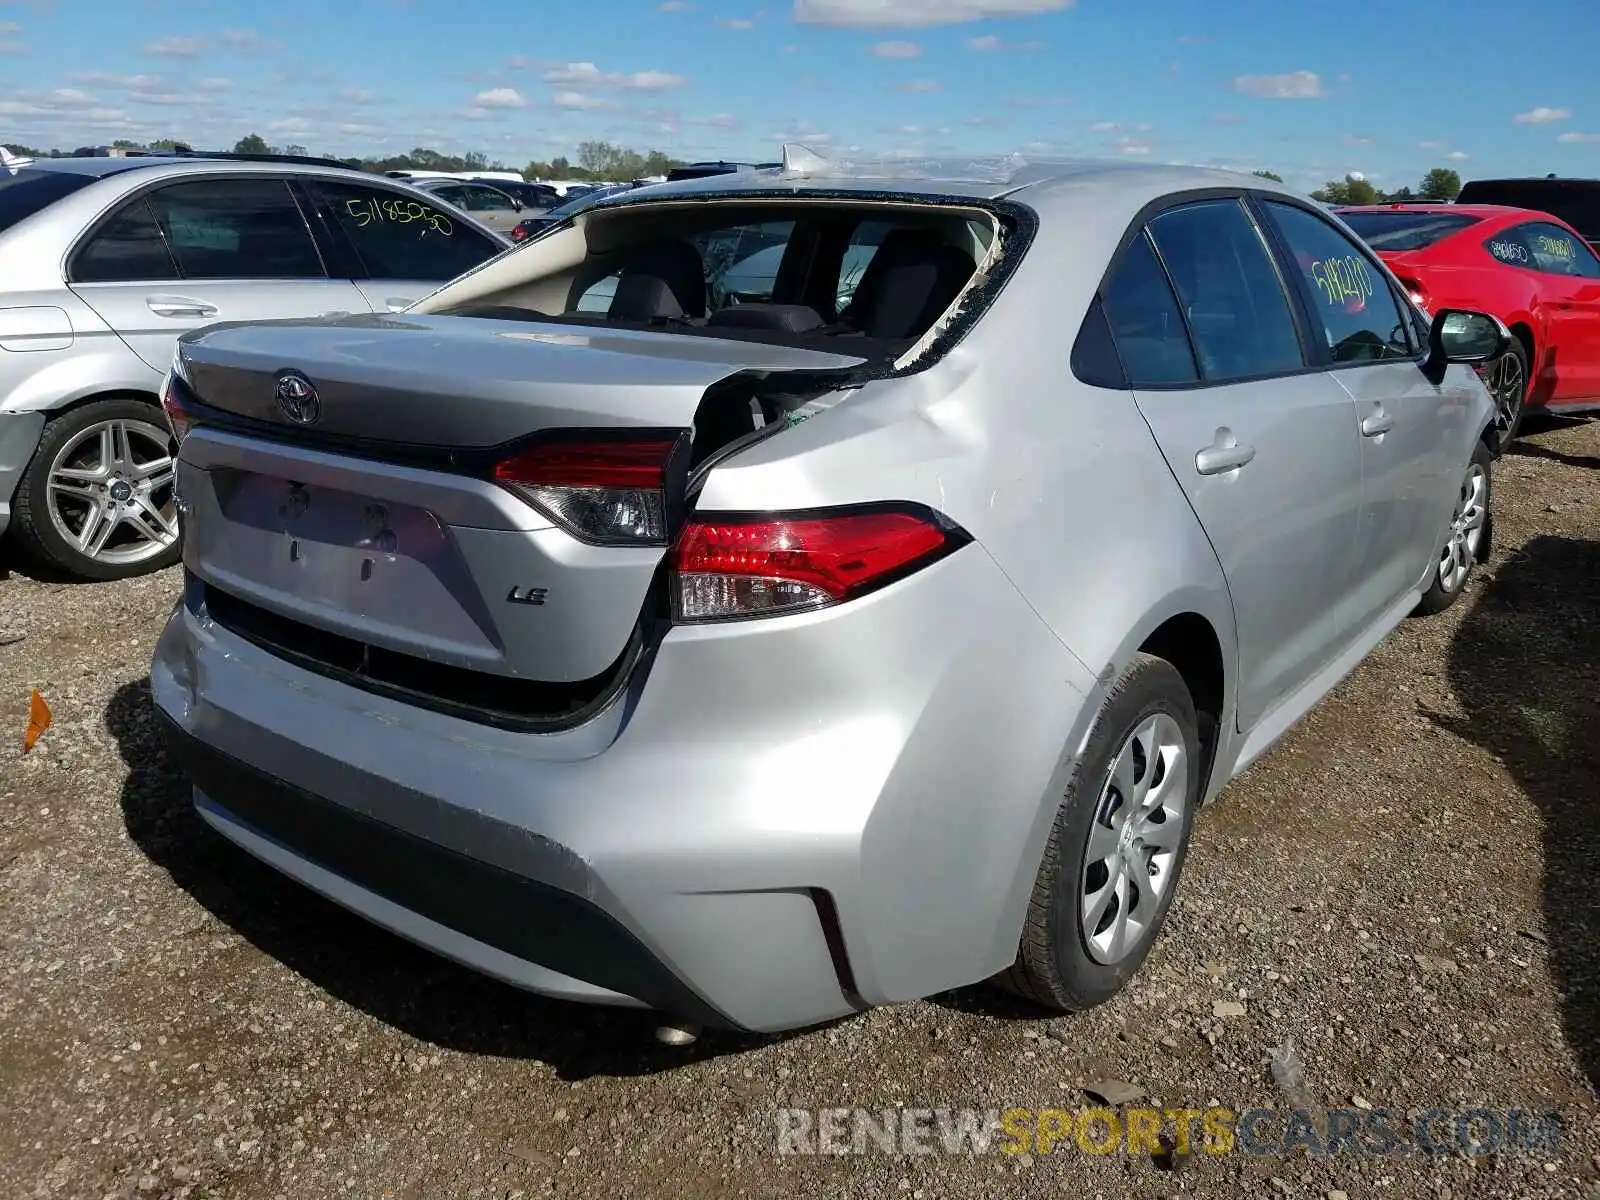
[(297, 398)]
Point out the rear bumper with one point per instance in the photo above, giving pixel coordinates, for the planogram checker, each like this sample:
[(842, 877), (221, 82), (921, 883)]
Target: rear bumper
[(790, 820)]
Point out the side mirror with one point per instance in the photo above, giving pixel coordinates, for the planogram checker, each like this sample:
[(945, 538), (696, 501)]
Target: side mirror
[(1460, 335)]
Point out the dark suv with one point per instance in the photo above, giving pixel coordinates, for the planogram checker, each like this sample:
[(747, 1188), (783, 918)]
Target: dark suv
[(1575, 201)]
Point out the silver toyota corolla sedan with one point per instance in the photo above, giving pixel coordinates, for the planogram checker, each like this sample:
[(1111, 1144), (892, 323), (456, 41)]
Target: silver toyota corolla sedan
[(757, 652)]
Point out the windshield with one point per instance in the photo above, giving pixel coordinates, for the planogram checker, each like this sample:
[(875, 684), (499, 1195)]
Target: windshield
[(30, 190), (1395, 231)]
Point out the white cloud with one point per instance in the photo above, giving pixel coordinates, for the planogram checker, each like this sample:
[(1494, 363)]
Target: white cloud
[(1353, 139), (918, 85), (1430, 145), (215, 83), (1133, 146), (1193, 39), (1104, 127), (915, 13), (13, 48), (722, 121), (737, 23), (1541, 116), (248, 41), (578, 100), (501, 97), (587, 75), (1575, 136), (175, 47), (987, 42), (7, 28), (1295, 85), (1457, 156), (676, 6), (896, 49), (357, 96), (801, 131)]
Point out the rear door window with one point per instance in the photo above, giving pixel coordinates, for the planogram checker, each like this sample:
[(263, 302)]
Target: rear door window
[(128, 248), (1348, 293), (1237, 311), (1146, 323), (483, 199), (1556, 251), (400, 236), (742, 261), (236, 229)]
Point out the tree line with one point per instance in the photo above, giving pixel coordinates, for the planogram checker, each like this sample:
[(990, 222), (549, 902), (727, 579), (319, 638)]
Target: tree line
[(595, 160), (603, 160)]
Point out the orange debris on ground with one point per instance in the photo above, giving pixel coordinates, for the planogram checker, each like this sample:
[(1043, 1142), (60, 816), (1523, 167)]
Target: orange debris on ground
[(38, 721)]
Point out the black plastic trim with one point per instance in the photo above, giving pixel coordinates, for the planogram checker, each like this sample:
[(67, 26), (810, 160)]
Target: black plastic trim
[(500, 701), (523, 917)]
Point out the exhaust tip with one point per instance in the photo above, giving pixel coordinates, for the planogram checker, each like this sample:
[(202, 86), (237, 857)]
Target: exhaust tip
[(678, 1033)]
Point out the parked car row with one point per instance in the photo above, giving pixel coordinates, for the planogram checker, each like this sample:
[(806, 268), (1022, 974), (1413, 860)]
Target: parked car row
[(1536, 272), (758, 600), (109, 260)]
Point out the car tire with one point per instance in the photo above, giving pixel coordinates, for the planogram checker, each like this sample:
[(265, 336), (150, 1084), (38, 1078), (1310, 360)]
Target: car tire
[(1064, 961), (73, 452), (1508, 381), (1469, 537)]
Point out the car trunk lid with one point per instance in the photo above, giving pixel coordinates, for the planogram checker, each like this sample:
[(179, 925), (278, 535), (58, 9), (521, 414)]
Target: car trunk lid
[(404, 509)]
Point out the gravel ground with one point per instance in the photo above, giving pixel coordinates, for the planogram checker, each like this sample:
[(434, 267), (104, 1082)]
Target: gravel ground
[(1406, 887)]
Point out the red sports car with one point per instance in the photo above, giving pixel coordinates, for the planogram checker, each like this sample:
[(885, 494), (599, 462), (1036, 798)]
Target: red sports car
[(1529, 269)]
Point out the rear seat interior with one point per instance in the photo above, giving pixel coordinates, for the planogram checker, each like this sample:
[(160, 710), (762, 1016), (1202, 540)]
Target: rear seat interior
[(912, 278)]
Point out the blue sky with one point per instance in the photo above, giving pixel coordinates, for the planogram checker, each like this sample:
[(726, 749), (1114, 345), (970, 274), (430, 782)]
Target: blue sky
[(1309, 90)]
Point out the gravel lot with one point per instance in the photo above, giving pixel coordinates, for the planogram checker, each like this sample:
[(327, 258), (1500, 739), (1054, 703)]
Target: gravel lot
[(1406, 888)]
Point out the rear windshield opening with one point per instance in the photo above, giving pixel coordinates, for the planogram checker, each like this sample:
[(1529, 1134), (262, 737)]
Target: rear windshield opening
[(863, 279), (31, 190), (1396, 231)]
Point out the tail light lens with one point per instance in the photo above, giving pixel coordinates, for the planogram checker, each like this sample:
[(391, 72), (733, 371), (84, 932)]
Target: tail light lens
[(179, 416), (731, 567), (1414, 289), (605, 489)]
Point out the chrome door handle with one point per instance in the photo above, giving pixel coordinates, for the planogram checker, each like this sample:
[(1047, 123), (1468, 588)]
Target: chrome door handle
[(179, 306), (1377, 424), (1224, 454)]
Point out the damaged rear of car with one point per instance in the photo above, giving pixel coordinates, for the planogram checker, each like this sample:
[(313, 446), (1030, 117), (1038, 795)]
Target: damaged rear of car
[(597, 622)]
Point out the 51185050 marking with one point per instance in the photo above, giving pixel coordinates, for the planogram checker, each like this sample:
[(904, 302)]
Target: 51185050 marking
[(398, 212)]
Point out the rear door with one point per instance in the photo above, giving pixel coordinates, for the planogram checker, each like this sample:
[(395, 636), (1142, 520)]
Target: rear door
[(1570, 282), (1264, 448), (395, 246), (1408, 426), (188, 254)]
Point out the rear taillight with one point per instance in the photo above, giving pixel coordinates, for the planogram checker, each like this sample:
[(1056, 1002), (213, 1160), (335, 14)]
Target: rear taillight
[(608, 489), (179, 416), (728, 567), (1415, 290)]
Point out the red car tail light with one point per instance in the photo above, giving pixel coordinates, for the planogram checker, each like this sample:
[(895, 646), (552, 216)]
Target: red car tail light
[(726, 567), (1414, 289), (605, 488)]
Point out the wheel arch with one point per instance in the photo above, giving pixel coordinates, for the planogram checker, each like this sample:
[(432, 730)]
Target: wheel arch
[(1190, 643)]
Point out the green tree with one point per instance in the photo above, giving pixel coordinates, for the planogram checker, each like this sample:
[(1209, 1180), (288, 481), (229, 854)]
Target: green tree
[(1272, 175), (125, 144), (293, 148), (1441, 183), (252, 144), (1402, 195), (1350, 190)]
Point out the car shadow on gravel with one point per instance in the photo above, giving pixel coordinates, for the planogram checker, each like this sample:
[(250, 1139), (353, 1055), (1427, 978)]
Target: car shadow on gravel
[(1525, 666), (383, 975)]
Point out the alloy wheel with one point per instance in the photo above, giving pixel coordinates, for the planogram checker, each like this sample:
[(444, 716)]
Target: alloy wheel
[(1507, 380), (112, 494), (1132, 850), (1466, 529)]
